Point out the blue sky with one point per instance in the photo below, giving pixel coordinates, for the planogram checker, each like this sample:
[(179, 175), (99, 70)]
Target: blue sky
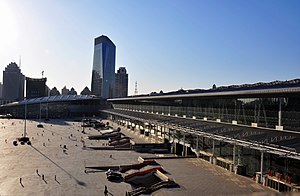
[(164, 44)]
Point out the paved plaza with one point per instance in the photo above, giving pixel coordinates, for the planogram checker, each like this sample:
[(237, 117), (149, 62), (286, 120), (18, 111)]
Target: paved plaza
[(46, 168)]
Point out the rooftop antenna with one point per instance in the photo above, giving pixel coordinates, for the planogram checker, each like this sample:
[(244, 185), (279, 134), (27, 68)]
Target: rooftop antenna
[(135, 89)]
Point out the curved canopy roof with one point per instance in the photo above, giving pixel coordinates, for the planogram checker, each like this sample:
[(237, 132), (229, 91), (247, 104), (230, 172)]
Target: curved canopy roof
[(58, 98)]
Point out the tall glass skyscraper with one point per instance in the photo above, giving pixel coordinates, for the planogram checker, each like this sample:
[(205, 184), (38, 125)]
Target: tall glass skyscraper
[(103, 74)]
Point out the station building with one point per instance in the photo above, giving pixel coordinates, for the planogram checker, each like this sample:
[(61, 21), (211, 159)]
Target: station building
[(61, 106), (252, 130)]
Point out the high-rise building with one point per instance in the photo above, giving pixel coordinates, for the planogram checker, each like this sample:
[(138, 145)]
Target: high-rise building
[(36, 87), (103, 74), (13, 83), (121, 83)]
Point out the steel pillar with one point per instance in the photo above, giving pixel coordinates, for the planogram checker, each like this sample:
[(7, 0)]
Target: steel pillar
[(261, 166)]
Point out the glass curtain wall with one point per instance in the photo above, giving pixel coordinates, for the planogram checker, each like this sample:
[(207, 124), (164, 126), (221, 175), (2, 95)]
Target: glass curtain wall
[(263, 111)]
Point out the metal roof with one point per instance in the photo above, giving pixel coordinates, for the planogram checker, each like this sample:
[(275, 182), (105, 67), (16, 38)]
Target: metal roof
[(58, 98), (270, 138), (232, 92)]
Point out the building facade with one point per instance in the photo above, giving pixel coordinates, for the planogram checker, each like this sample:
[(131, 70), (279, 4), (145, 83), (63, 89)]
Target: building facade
[(60, 106), (35, 87), (103, 73), (13, 83), (248, 129), (121, 83)]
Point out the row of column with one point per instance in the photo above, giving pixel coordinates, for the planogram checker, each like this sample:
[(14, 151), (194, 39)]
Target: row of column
[(171, 135)]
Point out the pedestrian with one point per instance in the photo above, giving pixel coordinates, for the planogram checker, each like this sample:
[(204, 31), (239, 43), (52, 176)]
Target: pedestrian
[(20, 180), (43, 177), (37, 171), (105, 190), (55, 177)]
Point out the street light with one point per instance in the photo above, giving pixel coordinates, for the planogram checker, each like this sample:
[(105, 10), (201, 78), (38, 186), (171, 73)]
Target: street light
[(24, 139), (40, 124)]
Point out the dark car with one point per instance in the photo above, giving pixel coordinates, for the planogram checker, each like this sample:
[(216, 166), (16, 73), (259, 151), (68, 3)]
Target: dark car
[(112, 175)]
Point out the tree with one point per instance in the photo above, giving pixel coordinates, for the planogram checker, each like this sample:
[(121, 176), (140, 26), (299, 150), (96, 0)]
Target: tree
[(86, 91), (54, 92), (214, 86), (72, 92)]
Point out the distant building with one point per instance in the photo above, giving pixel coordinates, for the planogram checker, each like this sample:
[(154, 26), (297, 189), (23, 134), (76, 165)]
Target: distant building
[(64, 91), (54, 92), (121, 83), (13, 83), (36, 87), (103, 74), (47, 90), (72, 92), (86, 91), (1, 88)]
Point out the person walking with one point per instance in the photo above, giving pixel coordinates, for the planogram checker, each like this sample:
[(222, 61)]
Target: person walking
[(105, 190)]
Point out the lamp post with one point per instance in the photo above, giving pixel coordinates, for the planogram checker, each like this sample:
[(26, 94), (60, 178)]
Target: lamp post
[(40, 124), (25, 118), (24, 139)]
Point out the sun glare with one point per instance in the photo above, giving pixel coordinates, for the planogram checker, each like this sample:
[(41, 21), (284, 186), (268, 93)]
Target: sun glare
[(8, 29)]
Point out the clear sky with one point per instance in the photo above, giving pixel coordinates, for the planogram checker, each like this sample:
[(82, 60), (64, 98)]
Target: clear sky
[(164, 44)]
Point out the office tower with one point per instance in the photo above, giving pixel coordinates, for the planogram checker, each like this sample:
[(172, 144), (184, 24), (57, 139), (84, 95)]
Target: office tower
[(13, 83), (35, 87), (103, 74), (121, 83)]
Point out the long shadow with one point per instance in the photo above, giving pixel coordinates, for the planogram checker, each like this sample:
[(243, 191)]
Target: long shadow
[(77, 181)]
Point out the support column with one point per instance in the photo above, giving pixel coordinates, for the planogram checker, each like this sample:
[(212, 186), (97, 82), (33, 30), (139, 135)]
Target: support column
[(174, 144), (183, 149), (261, 166), (279, 112), (213, 158), (197, 146), (213, 147), (233, 158), (175, 148)]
